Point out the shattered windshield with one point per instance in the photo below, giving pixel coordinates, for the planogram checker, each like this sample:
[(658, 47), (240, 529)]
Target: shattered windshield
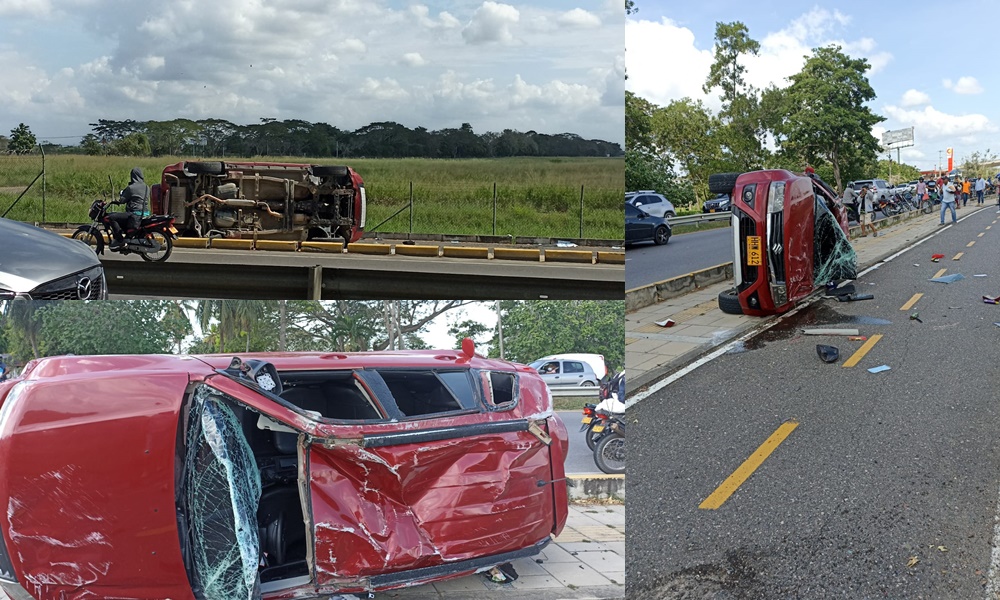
[(221, 493), (834, 258)]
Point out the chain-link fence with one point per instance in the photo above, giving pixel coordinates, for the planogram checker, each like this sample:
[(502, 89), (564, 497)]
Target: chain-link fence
[(528, 199), (491, 208), (22, 186)]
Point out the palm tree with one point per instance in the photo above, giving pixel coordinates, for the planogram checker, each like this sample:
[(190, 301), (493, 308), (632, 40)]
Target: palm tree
[(231, 318)]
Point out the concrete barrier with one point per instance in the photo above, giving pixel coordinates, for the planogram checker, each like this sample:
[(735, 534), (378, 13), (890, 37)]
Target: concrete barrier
[(465, 252), (646, 295), (596, 487)]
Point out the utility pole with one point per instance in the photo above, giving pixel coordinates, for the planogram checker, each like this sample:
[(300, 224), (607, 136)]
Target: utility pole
[(939, 162)]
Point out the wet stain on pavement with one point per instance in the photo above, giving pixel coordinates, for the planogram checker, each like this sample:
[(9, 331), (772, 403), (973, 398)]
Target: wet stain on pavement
[(818, 315)]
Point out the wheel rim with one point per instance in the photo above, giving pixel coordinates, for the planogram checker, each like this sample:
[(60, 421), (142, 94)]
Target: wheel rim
[(661, 236), (89, 238), (157, 238), (613, 453)]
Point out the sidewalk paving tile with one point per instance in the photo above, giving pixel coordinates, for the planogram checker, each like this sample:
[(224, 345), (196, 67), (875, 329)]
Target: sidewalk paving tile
[(577, 574)]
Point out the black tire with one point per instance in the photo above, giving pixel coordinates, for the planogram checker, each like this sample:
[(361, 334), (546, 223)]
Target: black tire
[(669, 214), (729, 302), (92, 236), (329, 171), (593, 438), (661, 235), (205, 168), (610, 454), (722, 183), (166, 247)]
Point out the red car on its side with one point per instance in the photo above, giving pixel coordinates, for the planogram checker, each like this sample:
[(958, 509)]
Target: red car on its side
[(262, 200), (272, 476), (789, 237)]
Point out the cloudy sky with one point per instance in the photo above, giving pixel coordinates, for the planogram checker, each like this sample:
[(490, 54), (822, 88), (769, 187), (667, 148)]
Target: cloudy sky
[(945, 89), (552, 67)]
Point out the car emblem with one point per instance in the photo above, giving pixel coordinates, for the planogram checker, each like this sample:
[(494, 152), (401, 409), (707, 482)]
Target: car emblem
[(83, 288), (776, 248)]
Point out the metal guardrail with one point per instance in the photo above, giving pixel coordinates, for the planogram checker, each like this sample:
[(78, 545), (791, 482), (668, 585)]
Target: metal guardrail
[(702, 218), (573, 392)]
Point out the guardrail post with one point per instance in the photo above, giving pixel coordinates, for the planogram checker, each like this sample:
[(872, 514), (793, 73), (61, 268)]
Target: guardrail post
[(316, 283), (411, 211), (494, 208), (581, 212)]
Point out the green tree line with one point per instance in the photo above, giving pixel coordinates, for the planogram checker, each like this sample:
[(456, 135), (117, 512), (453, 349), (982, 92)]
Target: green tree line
[(530, 330), (294, 137), (821, 119)]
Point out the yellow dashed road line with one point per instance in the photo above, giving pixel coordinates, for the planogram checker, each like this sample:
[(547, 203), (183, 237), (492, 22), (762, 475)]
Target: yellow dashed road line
[(970, 244), (939, 273), (958, 256), (734, 481), (909, 304), (864, 349), (981, 234)]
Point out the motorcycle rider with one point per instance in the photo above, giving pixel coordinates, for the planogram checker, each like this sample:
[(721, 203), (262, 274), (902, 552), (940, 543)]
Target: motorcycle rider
[(134, 197)]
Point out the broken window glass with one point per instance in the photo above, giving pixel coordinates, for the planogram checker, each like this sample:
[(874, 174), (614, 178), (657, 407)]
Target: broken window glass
[(419, 392), (221, 493), (834, 258), (502, 387)]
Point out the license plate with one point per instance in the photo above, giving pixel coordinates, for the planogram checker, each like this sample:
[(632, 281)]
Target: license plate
[(587, 420), (711, 210), (754, 255), (598, 428), (173, 229)]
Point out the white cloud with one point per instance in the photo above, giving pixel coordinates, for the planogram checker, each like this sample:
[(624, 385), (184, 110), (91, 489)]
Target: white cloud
[(383, 89), (554, 94), (353, 45), (414, 59), (25, 8), (491, 23), (964, 85), (915, 98), (444, 21), (579, 18), (782, 54), (932, 125)]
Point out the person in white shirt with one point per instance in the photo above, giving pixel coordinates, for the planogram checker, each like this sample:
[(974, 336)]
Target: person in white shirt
[(868, 210), (980, 189), (948, 201)]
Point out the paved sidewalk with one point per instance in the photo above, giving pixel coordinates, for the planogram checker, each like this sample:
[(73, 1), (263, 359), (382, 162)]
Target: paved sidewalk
[(653, 352), (586, 562)]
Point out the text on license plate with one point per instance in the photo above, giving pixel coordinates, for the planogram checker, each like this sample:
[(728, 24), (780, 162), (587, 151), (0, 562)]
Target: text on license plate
[(173, 229), (598, 428), (754, 254), (587, 420)]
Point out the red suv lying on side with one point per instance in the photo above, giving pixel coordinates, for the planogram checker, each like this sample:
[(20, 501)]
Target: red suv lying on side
[(272, 476), (789, 237), (262, 200)]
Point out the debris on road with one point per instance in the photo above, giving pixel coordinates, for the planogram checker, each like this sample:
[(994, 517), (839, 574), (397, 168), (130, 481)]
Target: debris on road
[(565, 244), (980, 275), (916, 317), (666, 323), (949, 278), (858, 338), (912, 562), (879, 369), (827, 354), (830, 332), (991, 299), (854, 297), (936, 257)]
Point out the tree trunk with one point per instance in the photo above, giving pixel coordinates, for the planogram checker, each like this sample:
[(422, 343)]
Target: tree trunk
[(282, 325)]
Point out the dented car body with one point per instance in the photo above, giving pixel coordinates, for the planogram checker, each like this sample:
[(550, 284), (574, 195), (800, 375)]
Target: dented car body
[(272, 476), (790, 236), (263, 200)]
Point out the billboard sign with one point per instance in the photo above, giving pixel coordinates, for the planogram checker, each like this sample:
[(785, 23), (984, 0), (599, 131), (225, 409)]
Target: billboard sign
[(899, 136)]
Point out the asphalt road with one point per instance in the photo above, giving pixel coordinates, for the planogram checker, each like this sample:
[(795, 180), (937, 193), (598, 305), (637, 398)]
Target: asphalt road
[(887, 487), (579, 459), (649, 263)]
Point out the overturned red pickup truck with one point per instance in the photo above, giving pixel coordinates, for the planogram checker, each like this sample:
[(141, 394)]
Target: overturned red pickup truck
[(284, 201), (789, 238), (272, 476)]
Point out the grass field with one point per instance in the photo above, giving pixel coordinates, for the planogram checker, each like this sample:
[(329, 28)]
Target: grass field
[(534, 196)]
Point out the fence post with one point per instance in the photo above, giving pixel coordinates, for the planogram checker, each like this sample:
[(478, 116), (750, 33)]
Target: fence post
[(581, 212), (43, 181), (494, 208), (410, 233)]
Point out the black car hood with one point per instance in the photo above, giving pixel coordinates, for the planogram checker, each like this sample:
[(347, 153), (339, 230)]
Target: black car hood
[(30, 256)]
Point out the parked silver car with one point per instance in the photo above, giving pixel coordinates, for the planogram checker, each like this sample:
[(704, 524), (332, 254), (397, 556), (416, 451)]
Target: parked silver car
[(558, 372), (651, 203), (41, 265)]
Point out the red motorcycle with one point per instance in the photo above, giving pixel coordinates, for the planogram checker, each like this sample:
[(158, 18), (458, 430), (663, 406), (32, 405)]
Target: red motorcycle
[(153, 240)]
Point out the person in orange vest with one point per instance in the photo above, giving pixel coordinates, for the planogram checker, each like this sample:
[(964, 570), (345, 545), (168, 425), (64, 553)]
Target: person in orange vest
[(966, 188)]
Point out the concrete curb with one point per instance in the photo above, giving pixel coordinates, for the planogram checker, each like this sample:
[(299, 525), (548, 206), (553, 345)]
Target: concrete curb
[(591, 486)]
